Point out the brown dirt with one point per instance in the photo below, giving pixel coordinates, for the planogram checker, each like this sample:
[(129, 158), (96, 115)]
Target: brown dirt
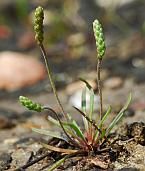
[(125, 151)]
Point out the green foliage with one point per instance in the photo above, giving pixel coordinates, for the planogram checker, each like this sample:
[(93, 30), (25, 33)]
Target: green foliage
[(93, 134), (58, 163), (99, 36), (22, 8), (74, 126)]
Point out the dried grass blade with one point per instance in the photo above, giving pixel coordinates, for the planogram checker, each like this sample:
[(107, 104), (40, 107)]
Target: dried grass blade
[(60, 150)]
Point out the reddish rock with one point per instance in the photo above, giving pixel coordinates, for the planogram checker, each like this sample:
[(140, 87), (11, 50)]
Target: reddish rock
[(18, 70)]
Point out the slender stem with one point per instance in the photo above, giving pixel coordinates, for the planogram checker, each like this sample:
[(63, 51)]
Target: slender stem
[(71, 140), (88, 119), (51, 79), (99, 86)]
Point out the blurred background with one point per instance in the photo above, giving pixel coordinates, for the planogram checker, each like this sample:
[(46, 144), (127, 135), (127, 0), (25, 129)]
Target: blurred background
[(71, 50)]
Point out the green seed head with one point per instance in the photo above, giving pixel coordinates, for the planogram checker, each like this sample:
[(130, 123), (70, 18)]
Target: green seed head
[(38, 24), (99, 36), (29, 104)]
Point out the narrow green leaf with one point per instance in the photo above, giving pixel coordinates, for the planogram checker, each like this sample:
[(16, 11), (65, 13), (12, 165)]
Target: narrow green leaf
[(76, 128), (58, 163), (91, 92), (53, 121), (86, 82), (69, 116), (91, 97), (119, 115), (103, 134), (84, 108), (49, 133), (101, 123), (83, 104), (105, 116), (91, 103)]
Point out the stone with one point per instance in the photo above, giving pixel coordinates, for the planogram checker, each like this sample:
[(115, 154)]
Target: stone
[(20, 157), (129, 112), (136, 130), (18, 70), (5, 160), (113, 83), (5, 123), (8, 118), (135, 158)]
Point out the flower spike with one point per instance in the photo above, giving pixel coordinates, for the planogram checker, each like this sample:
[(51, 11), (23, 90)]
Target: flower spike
[(29, 104), (38, 24), (99, 36)]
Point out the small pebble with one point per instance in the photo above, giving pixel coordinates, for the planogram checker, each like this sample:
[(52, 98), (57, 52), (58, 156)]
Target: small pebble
[(20, 157), (129, 112), (5, 160), (5, 123), (136, 130)]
